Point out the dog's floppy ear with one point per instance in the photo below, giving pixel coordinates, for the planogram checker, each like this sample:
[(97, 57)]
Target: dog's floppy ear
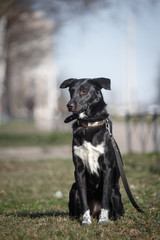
[(103, 83), (67, 83)]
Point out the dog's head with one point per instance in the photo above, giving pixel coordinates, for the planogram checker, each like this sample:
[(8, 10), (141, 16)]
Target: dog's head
[(85, 92)]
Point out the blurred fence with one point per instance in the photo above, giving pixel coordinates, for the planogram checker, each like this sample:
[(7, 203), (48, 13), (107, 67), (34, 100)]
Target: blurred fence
[(143, 132), (134, 133)]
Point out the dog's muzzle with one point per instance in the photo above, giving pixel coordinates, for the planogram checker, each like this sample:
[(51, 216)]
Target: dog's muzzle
[(70, 106)]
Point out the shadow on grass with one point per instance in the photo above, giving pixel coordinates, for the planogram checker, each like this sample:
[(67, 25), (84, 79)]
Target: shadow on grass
[(37, 214), (41, 215)]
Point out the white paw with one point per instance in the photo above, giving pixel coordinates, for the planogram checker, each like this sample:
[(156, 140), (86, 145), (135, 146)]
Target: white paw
[(86, 219), (104, 216)]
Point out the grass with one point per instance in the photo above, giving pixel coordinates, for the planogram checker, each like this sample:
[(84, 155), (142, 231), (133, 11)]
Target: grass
[(36, 139), (30, 210), (21, 133)]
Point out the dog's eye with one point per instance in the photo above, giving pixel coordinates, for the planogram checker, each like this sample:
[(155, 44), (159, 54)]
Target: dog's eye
[(83, 92)]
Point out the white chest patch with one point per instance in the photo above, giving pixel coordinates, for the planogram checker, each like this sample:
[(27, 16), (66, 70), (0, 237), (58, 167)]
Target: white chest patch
[(82, 115), (89, 155)]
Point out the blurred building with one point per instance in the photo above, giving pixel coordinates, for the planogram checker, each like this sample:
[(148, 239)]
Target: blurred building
[(29, 71)]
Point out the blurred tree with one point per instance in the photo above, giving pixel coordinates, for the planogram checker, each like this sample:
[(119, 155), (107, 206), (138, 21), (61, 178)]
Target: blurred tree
[(5, 5), (28, 43), (67, 9)]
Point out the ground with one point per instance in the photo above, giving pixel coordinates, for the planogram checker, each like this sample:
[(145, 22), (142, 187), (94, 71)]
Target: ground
[(30, 209)]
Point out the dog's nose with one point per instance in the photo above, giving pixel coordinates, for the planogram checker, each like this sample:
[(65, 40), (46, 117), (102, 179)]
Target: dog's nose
[(70, 106)]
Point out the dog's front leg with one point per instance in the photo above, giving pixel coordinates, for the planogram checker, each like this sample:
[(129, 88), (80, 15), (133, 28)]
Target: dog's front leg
[(104, 215), (81, 183)]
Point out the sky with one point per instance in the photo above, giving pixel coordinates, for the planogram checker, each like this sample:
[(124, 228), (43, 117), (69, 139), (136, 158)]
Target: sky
[(124, 47)]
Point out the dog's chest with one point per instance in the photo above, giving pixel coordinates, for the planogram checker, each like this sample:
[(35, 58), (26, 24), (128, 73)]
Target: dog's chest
[(89, 155)]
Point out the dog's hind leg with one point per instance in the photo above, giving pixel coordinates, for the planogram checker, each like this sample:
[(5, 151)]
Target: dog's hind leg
[(95, 208), (74, 202), (117, 205)]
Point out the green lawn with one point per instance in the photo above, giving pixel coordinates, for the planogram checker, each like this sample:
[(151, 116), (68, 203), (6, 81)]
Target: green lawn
[(21, 133), (36, 139), (29, 209)]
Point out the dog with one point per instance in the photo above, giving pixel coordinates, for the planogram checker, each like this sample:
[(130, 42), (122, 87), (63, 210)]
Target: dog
[(96, 190)]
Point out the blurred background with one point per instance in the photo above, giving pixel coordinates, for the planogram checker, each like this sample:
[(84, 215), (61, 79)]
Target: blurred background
[(42, 43)]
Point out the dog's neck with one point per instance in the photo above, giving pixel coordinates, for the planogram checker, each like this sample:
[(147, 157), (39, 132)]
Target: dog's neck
[(96, 112)]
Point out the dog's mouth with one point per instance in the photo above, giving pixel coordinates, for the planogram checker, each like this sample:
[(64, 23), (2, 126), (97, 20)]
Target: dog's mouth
[(78, 111)]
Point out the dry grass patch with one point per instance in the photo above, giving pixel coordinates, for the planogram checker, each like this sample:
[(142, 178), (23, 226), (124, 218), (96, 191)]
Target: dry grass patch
[(29, 208)]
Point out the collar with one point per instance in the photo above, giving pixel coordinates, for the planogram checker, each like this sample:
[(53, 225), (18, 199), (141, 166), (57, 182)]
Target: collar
[(84, 123)]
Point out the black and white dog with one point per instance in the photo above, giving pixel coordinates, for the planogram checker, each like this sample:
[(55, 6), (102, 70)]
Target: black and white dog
[(96, 190)]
